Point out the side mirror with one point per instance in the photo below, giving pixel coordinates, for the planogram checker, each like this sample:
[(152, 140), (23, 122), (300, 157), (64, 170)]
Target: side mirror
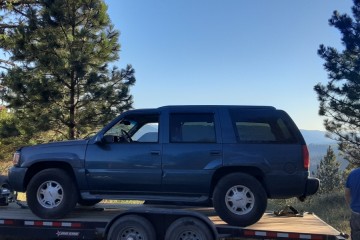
[(99, 139)]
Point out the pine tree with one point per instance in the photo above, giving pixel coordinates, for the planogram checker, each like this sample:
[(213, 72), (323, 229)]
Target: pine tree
[(57, 77), (340, 97), (9, 135), (328, 171)]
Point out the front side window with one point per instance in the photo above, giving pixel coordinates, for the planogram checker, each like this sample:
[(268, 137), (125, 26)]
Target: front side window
[(261, 127), (147, 133), (192, 128), (135, 128)]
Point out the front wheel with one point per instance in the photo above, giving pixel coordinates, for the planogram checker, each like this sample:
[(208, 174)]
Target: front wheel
[(51, 193), (239, 199)]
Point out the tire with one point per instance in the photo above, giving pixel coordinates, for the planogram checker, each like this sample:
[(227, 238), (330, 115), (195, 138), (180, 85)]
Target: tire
[(239, 199), (188, 228), (3, 199), (4, 184), (88, 202), (132, 227), (51, 193), (3, 180)]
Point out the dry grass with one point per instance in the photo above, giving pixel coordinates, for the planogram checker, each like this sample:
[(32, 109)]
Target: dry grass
[(4, 166)]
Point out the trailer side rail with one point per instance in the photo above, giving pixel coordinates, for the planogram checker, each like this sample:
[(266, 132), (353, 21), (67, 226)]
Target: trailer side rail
[(91, 223)]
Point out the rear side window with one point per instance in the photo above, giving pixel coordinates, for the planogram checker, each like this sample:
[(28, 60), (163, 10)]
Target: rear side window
[(256, 126), (192, 128)]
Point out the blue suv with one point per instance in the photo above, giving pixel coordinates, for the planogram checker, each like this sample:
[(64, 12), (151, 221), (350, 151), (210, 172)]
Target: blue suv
[(235, 157)]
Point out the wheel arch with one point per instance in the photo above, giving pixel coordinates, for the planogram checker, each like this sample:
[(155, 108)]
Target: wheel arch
[(250, 170), (39, 166)]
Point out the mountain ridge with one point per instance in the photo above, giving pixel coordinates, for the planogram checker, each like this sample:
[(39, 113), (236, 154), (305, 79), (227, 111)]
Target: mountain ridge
[(316, 137), (318, 144)]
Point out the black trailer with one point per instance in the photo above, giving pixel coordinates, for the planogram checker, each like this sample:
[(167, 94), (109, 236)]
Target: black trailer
[(133, 222)]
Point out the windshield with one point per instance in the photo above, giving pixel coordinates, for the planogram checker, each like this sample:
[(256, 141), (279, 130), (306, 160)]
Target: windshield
[(137, 128), (124, 124)]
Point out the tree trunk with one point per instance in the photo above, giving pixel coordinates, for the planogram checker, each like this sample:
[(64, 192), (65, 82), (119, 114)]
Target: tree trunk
[(72, 107)]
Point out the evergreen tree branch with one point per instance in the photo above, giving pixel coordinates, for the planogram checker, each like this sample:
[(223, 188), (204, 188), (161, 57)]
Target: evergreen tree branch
[(7, 62)]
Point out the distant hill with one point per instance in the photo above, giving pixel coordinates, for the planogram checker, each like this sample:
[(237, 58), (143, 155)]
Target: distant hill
[(318, 144), (316, 137)]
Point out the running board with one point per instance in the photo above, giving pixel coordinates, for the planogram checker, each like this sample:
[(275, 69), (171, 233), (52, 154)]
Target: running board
[(197, 199)]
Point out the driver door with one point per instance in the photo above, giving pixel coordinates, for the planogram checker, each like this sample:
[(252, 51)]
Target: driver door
[(120, 166)]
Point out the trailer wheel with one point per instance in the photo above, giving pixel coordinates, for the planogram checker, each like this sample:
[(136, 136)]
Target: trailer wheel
[(132, 227), (239, 199), (51, 193), (188, 228)]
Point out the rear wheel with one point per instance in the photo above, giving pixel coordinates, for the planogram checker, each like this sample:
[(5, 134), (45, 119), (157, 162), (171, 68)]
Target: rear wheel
[(51, 193), (239, 199), (188, 228), (132, 227)]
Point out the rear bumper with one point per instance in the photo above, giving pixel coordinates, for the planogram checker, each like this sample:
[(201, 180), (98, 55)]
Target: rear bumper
[(312, 186), (287, 186)]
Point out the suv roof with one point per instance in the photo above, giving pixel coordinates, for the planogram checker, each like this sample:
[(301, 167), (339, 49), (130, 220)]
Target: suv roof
[(205, 106), (218, 106), (199, 107)]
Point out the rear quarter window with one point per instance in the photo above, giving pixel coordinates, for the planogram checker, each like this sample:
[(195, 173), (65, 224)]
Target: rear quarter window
[(261, 126), (192, 128)]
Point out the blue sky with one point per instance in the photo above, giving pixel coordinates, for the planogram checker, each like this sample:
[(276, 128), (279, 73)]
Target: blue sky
[(238, 52)]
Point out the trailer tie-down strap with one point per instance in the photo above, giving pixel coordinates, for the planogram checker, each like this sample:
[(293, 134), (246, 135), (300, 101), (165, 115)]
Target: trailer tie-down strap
[(289, 211)]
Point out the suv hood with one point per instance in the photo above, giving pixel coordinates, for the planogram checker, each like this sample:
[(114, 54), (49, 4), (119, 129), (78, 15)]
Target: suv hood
[(59, 144), (72, 152)]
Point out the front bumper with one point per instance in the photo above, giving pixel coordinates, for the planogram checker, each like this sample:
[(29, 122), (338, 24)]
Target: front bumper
[(16, 177)]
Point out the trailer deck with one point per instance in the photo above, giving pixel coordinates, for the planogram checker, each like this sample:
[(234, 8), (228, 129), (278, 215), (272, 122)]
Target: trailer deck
[(87, 222)]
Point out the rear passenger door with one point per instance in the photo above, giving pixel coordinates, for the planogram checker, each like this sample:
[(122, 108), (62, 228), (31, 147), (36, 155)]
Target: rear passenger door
[(192, 152)]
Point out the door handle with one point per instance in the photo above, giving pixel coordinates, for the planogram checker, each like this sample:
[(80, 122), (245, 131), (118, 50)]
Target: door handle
[(155, 152), (215, 153)]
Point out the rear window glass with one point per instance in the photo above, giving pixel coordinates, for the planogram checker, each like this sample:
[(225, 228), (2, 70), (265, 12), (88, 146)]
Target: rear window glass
[(192, 128), (261, 127)]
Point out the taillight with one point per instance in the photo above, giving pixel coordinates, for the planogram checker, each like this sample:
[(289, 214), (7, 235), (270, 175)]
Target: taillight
[(306, 157)]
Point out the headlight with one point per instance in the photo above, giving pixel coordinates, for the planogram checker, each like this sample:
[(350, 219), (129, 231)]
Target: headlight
[(16, 158)]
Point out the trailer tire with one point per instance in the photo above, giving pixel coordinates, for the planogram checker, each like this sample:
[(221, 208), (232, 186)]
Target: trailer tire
[(132, 227), (239, 199), (188, 228), (51, 193)]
